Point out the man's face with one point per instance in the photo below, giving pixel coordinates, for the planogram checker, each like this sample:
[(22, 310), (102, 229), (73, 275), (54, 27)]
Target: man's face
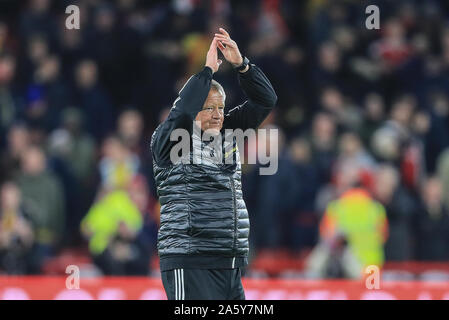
[(212, 114)]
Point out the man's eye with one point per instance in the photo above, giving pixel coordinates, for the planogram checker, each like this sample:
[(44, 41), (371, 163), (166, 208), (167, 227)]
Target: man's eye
[(210, 109)]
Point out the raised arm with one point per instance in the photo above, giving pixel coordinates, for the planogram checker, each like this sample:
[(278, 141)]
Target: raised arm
[(186, 106), (261, 100), (261, 95)]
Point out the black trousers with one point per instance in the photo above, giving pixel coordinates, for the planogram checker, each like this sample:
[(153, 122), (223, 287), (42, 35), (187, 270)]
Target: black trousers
[(203, 284)]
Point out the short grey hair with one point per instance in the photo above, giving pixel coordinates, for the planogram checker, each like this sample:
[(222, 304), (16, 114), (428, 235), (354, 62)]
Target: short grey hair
[(217, 86)]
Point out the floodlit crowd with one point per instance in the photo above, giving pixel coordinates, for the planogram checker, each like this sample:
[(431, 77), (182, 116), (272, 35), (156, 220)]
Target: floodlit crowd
[(363, 120)]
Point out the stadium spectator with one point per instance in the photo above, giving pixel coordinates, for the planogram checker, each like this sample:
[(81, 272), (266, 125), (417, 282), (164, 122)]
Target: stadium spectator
[(433, 130), (113, 227), (373, 113), (272, 203), (130, 130), (43, 193), (9, 107), (48, 77), (16, 233), (37, 18), (72, 158), (301, 226), (433, 223), (18, 140), (93, 100), (396, 142), (322, 138), (401, 213), (443, 174), (118, 166), (351, 153), (346, 115), (6, 44), (352, 232), (75, 145)]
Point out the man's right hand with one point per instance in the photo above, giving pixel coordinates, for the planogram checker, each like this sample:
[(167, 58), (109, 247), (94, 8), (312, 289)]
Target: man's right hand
[(212, 60)]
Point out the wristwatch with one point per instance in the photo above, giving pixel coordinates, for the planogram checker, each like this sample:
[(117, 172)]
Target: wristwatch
[(243, 65)]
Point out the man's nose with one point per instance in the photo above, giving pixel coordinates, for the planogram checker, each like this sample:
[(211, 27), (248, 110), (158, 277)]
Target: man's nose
[(216, 114)]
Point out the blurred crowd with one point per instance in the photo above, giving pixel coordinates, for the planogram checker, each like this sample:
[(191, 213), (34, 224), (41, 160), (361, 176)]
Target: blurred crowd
[(363, 120)]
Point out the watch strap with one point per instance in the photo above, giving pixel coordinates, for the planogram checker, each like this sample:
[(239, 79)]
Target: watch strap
[(243, 65)]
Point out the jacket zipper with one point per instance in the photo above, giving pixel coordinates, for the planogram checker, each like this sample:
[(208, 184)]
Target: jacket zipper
[(235, 214)]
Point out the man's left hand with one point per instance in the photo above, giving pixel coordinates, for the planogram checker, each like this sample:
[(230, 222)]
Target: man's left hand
[(228, 48)]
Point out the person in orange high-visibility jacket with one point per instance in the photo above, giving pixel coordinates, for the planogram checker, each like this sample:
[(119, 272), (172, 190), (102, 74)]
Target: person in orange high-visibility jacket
[(358, 221)]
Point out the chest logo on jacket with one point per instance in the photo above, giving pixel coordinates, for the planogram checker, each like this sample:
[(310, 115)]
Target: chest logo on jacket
[(209, 148)]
